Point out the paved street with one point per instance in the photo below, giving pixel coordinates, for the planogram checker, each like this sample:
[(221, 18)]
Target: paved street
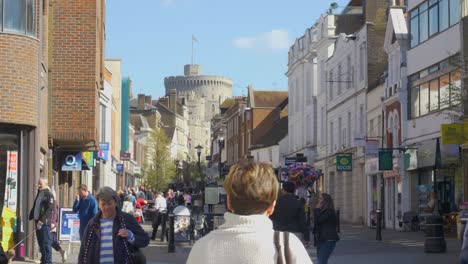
[(357, 246)]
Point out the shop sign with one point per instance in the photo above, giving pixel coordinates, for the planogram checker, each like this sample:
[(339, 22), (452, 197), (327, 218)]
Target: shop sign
[(104, 146), (125, 156), (385, 160), (103, 155), (137, 170), (344, 162), (88, 157), (120, 167), (72, 162), (372, 148), (289, 161), (454, 133), (69, 224)]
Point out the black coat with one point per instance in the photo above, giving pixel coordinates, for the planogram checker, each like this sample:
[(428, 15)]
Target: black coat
[(47, 207), (289, 215), (91, 240), (325, 227)]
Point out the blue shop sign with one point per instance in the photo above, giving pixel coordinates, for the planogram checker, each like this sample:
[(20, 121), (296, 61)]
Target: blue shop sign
[(103, 155), (120, 167), (104, 146), (72, 162)]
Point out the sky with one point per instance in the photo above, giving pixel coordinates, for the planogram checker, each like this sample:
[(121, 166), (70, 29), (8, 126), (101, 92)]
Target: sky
[(244, 40)]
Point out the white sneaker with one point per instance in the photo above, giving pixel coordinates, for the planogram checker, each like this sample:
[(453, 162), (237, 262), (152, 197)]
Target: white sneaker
[(64, 255)]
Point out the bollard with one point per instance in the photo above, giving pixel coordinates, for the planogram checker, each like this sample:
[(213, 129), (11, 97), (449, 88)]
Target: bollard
[(338, 220), (171, 244), (378, 229), (307, 232)]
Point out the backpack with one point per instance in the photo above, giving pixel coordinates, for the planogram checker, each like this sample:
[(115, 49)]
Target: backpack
[(282, 247)]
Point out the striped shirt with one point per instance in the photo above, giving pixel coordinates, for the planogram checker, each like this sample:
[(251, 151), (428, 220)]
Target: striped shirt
[(107, 251)]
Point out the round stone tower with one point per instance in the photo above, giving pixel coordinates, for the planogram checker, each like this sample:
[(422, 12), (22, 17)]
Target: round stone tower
[(203, 95)]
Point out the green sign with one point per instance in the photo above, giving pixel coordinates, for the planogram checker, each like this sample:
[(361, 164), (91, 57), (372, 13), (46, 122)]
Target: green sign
[(344, 162), (385, 160)]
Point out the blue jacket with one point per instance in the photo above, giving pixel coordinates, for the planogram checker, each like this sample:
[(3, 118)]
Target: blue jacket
[(87, 209)]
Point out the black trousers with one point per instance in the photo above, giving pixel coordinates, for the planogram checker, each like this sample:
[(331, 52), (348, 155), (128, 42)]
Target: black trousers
[(159, 219)]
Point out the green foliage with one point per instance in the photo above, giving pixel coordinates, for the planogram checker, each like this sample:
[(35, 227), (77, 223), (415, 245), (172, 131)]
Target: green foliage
[(159, 169)]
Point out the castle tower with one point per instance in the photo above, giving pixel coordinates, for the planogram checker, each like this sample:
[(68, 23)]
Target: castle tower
[(203, 95)]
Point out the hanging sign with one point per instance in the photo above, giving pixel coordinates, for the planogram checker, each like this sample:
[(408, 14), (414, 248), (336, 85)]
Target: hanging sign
[(72, 162), (344, 162), (385, 160)]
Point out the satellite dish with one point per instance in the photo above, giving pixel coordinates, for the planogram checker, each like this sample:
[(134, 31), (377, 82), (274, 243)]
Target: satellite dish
[(334, 5)]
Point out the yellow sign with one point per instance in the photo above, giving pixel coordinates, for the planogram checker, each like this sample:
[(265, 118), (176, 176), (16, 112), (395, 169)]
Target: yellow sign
[(454, 133)]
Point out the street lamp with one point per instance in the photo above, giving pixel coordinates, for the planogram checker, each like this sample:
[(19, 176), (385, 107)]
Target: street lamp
[(199, 149), (221, 146)]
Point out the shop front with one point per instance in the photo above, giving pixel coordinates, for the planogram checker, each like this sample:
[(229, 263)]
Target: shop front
[(16, 163), (374, 183), (393, 197)]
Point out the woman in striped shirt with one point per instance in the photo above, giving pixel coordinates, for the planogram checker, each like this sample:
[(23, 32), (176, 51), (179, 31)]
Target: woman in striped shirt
[(112, 236)]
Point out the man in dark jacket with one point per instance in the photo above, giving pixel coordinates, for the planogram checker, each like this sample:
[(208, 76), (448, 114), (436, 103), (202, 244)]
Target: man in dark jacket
[(42, 213), (289, 214), (111, 224)]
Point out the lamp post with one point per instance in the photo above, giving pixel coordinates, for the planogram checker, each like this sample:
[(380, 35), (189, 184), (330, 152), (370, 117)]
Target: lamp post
[(199, 149), (221, 146)]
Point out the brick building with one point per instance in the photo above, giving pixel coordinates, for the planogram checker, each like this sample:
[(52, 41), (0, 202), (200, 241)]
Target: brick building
[(23, 111), (76, 50)]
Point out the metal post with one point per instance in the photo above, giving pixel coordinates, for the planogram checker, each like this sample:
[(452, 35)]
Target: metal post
[(338, 221), (171, 244), (378, 229)]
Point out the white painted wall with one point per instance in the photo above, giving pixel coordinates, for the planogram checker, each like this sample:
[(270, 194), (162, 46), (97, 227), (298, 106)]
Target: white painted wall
[(107, 177)]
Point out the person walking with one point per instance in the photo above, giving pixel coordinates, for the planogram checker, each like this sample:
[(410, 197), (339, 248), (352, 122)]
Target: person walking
[(53, 229), (42, 213), (112, 236), (289, 214), (86, 206), (325, 228), (160, 205), (247, 236)]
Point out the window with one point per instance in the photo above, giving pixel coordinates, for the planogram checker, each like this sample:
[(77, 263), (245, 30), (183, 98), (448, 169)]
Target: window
[(361, 119), (332, 141), (349, 129), (339, 133), (454, 12), (424, 98), (330, 84), (362, 61), (434, 95), (444, 91), (423, 22), (371, 128), (443, 14), (309, 89), (344, 135), (298, 88), (349, 72), (322, 125), (432, 17), (339, 77)]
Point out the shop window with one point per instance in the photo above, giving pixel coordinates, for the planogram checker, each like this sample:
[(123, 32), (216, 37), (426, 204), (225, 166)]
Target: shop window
[(9, 170)]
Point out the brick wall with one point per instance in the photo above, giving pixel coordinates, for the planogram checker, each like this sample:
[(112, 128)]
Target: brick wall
[(77, 43), (18, 79)]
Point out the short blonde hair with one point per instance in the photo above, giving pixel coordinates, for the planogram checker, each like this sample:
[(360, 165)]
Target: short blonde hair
[(251, 187)]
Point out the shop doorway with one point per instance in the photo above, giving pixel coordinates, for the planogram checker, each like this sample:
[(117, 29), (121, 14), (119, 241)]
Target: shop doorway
[(9, 144)]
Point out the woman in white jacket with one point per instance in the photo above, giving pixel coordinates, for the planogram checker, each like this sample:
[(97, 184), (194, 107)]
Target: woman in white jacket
[(247, 236)]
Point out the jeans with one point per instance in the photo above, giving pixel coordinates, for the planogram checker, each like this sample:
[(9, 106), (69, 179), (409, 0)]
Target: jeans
[(55, 243), (324, 250), (44, 239)]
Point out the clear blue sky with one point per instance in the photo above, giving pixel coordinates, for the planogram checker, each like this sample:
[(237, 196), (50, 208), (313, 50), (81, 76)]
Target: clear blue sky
[(245, 40)]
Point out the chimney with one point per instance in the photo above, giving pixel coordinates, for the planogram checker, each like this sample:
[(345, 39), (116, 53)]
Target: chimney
[(148, 99), (141, 102), (173, 100)]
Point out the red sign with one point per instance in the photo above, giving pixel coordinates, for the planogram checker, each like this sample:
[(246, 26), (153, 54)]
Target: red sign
[(125, 156)]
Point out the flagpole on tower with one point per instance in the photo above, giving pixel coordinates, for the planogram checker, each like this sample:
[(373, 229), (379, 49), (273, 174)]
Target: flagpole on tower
[(193, 41)]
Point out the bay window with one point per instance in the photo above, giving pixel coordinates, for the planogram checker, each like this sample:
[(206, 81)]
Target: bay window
[(18, 16)]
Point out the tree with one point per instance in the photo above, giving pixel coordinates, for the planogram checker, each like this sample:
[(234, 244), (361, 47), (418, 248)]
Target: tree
[(159, 169)]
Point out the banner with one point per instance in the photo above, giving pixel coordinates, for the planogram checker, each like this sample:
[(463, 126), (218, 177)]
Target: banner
[(454, 133), (344, 162), (11, 180)]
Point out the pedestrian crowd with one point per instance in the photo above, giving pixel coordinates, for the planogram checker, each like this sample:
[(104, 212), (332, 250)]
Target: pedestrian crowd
[(265, 223)]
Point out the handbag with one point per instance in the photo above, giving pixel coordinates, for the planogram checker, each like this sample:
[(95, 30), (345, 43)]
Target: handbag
[(138, 257)]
